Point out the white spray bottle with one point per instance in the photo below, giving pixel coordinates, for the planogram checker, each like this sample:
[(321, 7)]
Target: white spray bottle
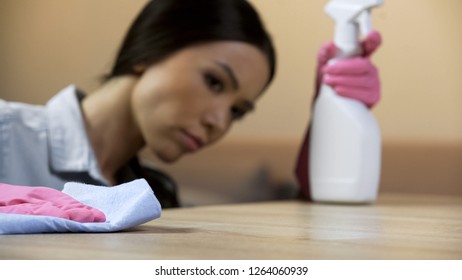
[(345, 146)]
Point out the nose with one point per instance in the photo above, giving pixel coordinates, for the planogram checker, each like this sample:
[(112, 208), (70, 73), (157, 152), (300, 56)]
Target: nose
[(217, 119)]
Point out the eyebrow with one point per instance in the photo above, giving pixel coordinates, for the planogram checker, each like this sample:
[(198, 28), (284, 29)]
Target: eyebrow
[(230, 74)]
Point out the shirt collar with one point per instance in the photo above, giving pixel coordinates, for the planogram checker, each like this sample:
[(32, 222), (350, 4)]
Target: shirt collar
[(70, 149)]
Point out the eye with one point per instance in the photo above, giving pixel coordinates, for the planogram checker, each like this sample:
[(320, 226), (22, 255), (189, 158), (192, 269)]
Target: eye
[(214, 83), (237, 113)]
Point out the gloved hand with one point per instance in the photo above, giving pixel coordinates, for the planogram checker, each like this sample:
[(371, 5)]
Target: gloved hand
[(355, 77), (44, 201)]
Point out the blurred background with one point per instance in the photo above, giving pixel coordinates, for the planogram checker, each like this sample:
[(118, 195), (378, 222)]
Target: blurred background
[(49, 44)]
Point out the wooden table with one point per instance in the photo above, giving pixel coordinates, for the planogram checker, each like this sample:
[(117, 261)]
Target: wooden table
[(396, 227)]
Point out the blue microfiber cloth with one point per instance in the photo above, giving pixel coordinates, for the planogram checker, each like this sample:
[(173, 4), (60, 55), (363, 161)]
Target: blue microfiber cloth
[(125, 206)]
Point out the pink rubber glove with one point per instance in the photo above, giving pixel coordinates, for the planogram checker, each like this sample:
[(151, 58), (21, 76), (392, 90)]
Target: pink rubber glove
[(44, 201), (355, 77)]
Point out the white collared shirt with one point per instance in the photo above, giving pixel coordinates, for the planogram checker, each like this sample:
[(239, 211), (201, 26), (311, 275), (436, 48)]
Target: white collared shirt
[(46, 145)]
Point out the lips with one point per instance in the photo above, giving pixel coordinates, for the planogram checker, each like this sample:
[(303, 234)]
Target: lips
[(191, 142)]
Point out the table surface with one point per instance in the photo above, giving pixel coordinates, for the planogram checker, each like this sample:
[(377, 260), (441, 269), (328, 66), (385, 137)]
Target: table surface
[(397, 226)]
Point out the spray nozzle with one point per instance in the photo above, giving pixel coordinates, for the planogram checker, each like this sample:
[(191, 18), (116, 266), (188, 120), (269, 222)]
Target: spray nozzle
[(352, 18), (353, 11)]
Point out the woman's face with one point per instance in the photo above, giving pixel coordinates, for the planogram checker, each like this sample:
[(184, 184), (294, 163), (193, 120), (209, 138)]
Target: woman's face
[(190, 99)]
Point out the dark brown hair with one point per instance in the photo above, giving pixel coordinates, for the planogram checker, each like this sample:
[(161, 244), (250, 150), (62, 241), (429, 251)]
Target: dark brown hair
[(166, 26)]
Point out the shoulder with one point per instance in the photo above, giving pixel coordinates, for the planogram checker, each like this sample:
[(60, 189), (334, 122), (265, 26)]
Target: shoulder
[(27, 115), (5, 110)]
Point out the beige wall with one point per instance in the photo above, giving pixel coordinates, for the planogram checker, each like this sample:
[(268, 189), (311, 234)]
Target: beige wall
[(48, 44)]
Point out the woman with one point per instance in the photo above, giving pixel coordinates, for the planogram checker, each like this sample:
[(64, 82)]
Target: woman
[(184, 73)]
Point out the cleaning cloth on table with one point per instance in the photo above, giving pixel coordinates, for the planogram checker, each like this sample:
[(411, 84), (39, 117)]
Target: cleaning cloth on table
[(125, 206)]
